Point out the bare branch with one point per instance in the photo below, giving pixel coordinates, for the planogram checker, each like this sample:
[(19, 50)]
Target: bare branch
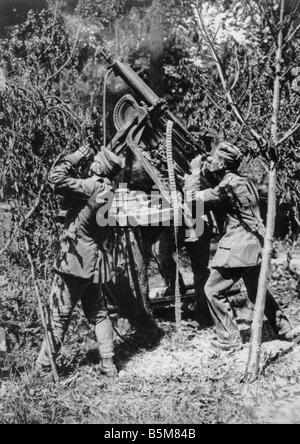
[(291, 36), (204, 31), (248, 87), (238, 72), (273, 33), (49, 343), (53, 26), (250, 105), (217, 32), (30, 213), (223, 109), (291, 132), (69, 59)]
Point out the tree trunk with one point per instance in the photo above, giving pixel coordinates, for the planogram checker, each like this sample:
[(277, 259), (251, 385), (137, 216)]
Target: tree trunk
[(256, 336)]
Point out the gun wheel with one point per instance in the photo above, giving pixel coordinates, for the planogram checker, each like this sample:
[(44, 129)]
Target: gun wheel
[(125, 111)]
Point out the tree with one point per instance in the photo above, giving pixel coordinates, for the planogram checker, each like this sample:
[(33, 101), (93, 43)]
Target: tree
[(275, 142), (247, 67), (276, 31), (42, 114)]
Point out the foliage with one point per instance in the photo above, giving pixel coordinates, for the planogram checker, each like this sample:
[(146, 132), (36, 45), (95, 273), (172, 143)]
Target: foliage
[(248, 64), (46, 109), (53, 100)]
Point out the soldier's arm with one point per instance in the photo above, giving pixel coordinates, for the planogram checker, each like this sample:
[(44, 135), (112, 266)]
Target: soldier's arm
[(212, 197), (61, 176), (201, 177)]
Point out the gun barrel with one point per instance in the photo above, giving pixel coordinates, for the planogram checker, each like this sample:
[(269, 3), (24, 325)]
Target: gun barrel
[(132, 79), (135, 82), (184, 142)]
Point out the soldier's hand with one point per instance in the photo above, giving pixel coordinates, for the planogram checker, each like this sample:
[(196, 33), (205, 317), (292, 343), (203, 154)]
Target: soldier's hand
[(191, 182), (87, 152), (196, 165), (84, 152), (105, 194)]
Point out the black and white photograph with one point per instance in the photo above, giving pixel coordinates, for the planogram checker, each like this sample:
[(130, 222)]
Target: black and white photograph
[(149, 214)]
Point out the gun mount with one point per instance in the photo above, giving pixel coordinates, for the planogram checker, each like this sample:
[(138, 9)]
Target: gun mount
[(141, 123), (142, 120)]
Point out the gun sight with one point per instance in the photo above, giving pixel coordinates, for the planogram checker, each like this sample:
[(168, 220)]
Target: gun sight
[(108, 57)]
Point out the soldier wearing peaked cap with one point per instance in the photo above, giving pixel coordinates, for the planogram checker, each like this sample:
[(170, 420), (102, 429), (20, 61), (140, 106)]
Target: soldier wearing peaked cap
[(80, 257), (239, 251)]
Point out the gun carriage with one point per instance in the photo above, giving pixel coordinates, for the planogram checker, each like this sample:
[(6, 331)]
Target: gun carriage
[(141, 120)]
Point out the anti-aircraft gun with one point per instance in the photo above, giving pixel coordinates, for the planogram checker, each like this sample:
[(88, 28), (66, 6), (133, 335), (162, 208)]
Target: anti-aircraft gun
[(141, 123), (159, 141), (144, 120)]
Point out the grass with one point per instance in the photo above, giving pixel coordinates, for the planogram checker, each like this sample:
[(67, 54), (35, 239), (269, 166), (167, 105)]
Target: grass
[(168, 382), (166, 385)]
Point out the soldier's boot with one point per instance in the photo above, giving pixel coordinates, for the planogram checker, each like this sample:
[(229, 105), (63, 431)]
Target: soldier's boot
[(44, 374), (104, 334), (292, 335), (230, 343), (41, 374), (226, 346), (108, 368)]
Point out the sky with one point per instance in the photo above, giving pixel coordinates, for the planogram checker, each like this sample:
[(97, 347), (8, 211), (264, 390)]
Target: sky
[(13, 12)]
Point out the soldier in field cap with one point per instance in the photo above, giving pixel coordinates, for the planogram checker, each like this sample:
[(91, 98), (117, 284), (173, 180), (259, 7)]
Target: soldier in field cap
[(78, 265), (239, 251)]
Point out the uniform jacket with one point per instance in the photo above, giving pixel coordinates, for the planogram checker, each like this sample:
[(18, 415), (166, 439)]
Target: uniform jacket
[(242, 240), (214, 219), (82, 239)]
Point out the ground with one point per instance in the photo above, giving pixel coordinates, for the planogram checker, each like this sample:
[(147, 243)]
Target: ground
[(171, 381)]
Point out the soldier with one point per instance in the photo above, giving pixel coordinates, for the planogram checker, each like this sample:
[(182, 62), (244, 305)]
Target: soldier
[(159, 243), (239, 251), (80, 257), (198, 252)]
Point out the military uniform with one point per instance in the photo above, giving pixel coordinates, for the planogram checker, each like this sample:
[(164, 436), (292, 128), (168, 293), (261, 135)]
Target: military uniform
[(80, 259), (238, 255), (198, 252)]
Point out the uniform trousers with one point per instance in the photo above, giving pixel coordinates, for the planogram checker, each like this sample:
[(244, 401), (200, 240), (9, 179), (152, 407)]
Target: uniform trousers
[(66, 292), (221, 280)]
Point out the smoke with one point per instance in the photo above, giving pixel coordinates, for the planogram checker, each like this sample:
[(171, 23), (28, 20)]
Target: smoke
[(134, 32)]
